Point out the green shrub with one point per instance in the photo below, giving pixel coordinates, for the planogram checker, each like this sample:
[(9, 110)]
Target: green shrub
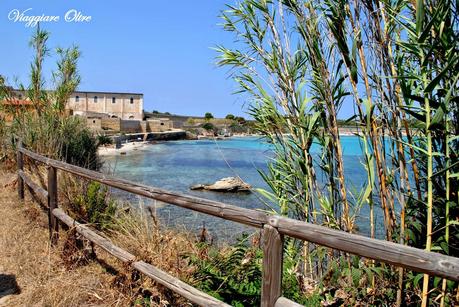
[(208, 126), (64, 138), (104, 140), (95, 206), (233, 276)]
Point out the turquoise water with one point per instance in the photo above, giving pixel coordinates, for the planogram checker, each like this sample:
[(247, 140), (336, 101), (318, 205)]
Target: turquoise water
[(176, 165)]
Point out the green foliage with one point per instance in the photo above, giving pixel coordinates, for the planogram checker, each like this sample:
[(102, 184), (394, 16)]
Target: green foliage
[(233, 276), (59, 137), (208, 126), (208, 116), (104, 140), (191, 121), (66, 78), (431, 94), (81, 148), (94, 206), (237, 128), (45, 128), (428, 64), (230, 116), (299, 61), (240, 120)]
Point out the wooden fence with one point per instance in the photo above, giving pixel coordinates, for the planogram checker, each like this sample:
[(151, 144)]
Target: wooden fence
[(274, 228)]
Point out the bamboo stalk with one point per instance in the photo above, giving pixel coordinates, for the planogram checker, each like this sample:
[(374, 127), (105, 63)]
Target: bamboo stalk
[(332, 119), (448, 163), (425, 286)]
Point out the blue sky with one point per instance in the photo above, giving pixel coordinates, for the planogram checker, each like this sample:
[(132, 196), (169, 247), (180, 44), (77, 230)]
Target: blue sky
[(159, 48)]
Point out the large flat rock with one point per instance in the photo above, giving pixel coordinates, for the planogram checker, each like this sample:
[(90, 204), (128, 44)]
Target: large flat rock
[(229, 184)]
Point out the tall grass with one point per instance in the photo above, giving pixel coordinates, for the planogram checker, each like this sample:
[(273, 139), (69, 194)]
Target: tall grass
[(396, 63), (44, 127)]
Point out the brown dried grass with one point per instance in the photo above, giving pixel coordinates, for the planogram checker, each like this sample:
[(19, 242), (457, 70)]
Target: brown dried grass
[(74, 273), (25, 253)]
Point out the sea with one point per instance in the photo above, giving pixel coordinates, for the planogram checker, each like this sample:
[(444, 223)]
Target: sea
[(177, 165)]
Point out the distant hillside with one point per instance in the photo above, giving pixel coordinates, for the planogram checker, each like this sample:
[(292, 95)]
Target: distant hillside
[(181, 120), (178, 120)]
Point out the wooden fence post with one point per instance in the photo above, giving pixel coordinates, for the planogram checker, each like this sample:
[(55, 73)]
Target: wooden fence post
[(52, 204), (273, 243), (20, 164)]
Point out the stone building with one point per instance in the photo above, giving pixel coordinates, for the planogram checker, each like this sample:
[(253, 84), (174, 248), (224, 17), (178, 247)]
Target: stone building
[(94, 104), (113, 105), (104, 111)]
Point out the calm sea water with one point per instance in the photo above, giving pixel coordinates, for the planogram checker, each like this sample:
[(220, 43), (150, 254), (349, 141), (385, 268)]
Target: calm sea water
[(176, 165)]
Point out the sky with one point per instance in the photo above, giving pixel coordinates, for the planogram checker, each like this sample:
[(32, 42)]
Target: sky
[(162, 49)]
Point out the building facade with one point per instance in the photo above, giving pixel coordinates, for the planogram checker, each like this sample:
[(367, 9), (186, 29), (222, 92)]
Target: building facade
[(113, 105), (103, 111)]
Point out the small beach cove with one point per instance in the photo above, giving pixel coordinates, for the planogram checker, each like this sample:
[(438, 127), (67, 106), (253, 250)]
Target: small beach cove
[(178, 165)]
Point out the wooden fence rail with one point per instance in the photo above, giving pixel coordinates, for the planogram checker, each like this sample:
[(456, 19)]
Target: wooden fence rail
[(274, 229)]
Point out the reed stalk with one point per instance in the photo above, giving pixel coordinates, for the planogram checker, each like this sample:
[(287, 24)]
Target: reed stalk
[(397, 73), (425, 286), (447, 205)]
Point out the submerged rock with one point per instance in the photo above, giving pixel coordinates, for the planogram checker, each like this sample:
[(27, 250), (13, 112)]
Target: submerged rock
[(229, 184)]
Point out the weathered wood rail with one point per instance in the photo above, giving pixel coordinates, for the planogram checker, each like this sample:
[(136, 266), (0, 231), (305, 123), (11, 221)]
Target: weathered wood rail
[(274, 228)]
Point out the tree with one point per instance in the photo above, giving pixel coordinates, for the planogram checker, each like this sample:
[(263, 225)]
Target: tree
[(208, 126), (230, 116), (208, 116), (240, 119)]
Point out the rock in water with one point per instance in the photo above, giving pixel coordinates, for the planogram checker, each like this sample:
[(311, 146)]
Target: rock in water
[(230, 184)]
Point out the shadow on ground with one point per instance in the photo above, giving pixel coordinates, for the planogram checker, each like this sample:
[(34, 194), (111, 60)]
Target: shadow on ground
[(8, 285)]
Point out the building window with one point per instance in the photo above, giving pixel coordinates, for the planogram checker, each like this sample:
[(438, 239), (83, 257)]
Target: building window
[(162, 124), (132, 100), (94, 121), (113, 100), (95, 99), (77, 98)]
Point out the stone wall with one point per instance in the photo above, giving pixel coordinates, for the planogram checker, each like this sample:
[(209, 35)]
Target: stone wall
[(159, 125), (111, 124), (136, 126), (94, 123), (151, 136), (130, 126), (143, 126)]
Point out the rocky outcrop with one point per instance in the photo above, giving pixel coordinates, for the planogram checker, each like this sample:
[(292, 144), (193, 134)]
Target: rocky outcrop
[(190, 136), (230, 184)]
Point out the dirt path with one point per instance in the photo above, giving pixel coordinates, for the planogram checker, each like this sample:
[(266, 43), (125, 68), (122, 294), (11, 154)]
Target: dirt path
[(31, 272)]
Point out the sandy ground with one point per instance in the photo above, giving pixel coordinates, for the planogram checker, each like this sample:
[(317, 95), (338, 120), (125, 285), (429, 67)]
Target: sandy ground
[(125, 148)]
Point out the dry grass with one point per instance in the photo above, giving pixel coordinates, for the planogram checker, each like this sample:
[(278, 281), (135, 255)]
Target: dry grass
[(162, 248), (74, 274), (42, 278)]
